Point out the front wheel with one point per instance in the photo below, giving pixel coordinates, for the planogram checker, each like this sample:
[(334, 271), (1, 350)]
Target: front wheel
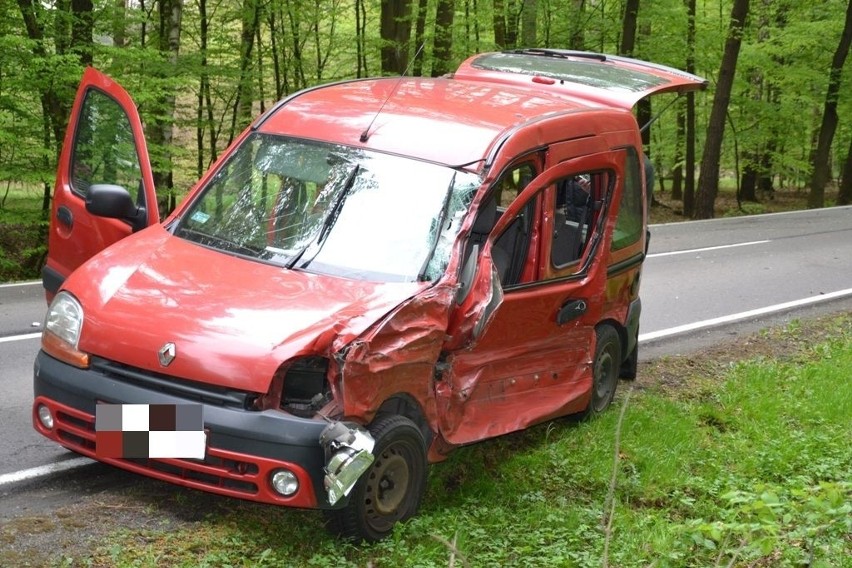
[(391, 490), (605, 371)]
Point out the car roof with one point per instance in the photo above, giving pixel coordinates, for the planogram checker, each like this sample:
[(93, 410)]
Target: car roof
[(442, 120)]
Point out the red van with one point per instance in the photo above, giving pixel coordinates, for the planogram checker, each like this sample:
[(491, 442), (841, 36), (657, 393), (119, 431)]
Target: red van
[(376, 272)]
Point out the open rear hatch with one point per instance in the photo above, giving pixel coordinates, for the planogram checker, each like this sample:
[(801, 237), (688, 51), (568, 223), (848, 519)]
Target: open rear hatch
[(608, 80)]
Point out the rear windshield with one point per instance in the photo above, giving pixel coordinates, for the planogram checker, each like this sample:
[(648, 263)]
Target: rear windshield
[(590, 71)]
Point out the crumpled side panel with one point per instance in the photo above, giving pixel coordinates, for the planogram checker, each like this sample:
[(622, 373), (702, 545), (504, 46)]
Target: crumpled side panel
[(398, 356)]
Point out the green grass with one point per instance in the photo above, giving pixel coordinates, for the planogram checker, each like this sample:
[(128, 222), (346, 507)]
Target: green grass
[(754, 471)]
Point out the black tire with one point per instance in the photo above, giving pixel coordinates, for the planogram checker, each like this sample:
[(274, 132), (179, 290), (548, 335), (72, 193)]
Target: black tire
[(391, 490), (605, 370)]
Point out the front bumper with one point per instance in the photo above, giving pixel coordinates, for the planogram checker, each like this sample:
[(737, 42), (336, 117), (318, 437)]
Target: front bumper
[(244, 447)]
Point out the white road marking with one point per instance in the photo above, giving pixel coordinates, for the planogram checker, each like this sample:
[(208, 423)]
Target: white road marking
[(19, 337), (14, 284), (693, 251), (743, 315), (42, 470)]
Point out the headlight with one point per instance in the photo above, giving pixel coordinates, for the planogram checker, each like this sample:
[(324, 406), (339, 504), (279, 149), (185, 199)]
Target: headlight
[(62, 327)]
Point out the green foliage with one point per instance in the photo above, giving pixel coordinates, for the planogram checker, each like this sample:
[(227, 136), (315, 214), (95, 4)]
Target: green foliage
[(748, 470), (22, 232), (775, 107)]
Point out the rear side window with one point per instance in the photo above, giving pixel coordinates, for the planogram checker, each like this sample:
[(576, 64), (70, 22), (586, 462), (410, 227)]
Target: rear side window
[(628, 226), (577, 203), (104, 151)]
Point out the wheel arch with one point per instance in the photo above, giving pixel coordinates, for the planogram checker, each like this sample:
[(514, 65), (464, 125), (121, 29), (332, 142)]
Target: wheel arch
[(619, 329), (629, 357), (404, 404)]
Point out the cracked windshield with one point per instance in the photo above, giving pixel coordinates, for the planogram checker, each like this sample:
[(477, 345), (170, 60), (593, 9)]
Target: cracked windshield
[(332, 209)]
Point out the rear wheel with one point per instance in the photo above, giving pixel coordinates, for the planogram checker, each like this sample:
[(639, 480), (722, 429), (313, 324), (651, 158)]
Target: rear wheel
[(391, 490), (605, 371)]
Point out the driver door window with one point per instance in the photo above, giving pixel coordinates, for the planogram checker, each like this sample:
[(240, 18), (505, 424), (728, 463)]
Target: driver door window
[(511, 248), (104, 148)]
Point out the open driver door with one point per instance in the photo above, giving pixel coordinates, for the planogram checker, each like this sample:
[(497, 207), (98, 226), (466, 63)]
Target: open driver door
[(104, 187)]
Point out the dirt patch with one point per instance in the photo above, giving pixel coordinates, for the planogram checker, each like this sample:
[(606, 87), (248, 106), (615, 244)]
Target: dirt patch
[(689, 375)]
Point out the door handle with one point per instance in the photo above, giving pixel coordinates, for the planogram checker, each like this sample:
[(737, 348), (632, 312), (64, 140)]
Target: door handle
[(64, 216), (571, 310)]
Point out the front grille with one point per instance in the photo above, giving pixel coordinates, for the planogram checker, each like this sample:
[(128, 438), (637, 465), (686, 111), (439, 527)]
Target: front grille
[(183, 388), (219, 472)]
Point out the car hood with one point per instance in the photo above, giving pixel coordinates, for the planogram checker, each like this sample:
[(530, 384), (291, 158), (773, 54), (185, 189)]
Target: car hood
[(233, 321)]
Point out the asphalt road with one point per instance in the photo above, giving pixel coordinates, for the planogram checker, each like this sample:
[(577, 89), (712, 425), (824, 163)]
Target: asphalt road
[(702, 281), (22, 309)]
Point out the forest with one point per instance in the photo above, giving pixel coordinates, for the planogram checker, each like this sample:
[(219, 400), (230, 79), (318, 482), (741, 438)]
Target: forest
[(777, 114)]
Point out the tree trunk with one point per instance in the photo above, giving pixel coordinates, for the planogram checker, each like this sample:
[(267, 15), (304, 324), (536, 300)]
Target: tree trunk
[(419, 35), (578, 27), (203, 95), (506, 18), (242, 111), (82, 26), (677, 170), (161, 131), (296, 38), (689, 161), (323, 12), (628, 28), (119, 22), (528, 23), (499, 18), (708, 179), (820, 161), (361, 37), (844, 195), (442, 46), (395, 33), (748, 181), (764, 180), (512, 15)]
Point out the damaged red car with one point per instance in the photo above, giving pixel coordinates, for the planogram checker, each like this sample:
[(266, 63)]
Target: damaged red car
[(376, 272)]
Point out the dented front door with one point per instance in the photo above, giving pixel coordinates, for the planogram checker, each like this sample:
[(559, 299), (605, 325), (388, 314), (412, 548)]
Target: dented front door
[(104, 144), (529, 350)]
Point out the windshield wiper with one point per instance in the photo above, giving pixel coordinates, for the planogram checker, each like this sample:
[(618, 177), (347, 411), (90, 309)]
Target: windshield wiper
[(327, 222), (560, 53), (220, 243), (442, 216)]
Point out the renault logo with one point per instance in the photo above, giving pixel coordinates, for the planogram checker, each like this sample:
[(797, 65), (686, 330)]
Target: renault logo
[(167, 354)]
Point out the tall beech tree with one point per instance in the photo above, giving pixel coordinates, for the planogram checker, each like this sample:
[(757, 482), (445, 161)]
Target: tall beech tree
[(825, 136), (442, 46), (395, 27), (161, 129), (708, 179)]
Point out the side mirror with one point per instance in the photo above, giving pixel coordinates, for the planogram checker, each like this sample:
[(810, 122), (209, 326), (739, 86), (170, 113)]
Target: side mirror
[(114, 202)]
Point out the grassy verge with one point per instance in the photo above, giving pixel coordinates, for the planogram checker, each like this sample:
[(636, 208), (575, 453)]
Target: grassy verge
[(719, 464)]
